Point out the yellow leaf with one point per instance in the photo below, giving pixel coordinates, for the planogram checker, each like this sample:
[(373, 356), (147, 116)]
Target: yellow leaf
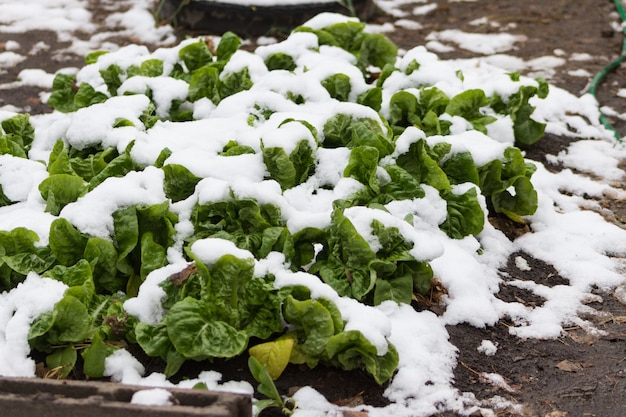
[(274, 355)]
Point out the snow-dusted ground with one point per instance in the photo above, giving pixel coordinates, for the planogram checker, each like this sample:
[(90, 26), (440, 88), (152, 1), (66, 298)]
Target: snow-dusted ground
[(585, 249)]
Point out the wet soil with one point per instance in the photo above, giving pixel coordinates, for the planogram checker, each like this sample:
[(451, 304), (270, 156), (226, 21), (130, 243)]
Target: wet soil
[(578, 374)]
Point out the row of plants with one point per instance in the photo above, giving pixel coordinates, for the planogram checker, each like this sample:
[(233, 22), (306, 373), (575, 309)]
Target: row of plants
[(224, 309)]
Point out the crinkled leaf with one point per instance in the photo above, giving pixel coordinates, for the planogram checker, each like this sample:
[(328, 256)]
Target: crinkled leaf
[(102, 256), (234, 82), (377, 50), (465, 215), (338, 86), (280, 61), (148, 68), (67, 243), (61, 189), (19, 126), (362, 166), (351, 350), (196, 334), (23, 263), (313, 322), (229, 44), (179, 182), (195, 55), (204, 82)]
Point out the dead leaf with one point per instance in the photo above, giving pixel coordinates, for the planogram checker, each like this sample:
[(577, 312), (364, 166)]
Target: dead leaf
[(569, 366), (179, 278), (355, 414), (557, 414), (583, 338), (351, 402)]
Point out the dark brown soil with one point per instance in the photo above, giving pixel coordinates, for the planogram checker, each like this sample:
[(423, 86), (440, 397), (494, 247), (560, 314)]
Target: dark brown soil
[(578, 374)]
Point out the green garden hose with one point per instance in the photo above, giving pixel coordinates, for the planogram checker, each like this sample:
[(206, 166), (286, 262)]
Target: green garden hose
[(610, 67)]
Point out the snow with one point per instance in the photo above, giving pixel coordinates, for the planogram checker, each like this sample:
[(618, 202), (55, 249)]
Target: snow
[(479, 43), (488, 347), (18, 308), (586, 250), (155, 396)]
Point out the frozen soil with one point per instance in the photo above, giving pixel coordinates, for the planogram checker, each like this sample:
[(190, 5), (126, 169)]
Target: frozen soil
[(582, 373)]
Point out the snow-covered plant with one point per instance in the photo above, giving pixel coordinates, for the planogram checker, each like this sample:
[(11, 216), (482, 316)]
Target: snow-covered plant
[(200, 197)]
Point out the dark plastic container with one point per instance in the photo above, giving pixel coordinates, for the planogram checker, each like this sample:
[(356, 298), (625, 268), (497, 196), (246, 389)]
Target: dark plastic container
[(215, 17)]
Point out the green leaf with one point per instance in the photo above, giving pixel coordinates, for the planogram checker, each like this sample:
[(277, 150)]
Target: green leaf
[(94, 357), (154, 340), (204, 83), (91, 165), (338, 86), (153, 255), (432, 99), (346, 267), (313, 322), (526, 130), (377, 50), (303, 161), (179, 182), (87, 96), (232, 148), (460, 168), (19, 126), (403, 110), (23, 263), (62, 361), (280, 61), (112, 77), (266, 384), (59, 160), (403, 186), (196, 334), (92, 57), (102, 257), (351, 350), (337, 131), (399, 289), (77, 277), (362, 166), (234, 82), (148, 68), (40, 326), (229, 44), (61, 189), (62, 96), (4, 200), (497, 177), (372, 98), (421, 165), (346, 35), (523, 202), (465, 215), (126, 231), (467, 105), (67, 243), (118, 167), (195, 55), (72, 322), (10, 147), (279, 166)]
